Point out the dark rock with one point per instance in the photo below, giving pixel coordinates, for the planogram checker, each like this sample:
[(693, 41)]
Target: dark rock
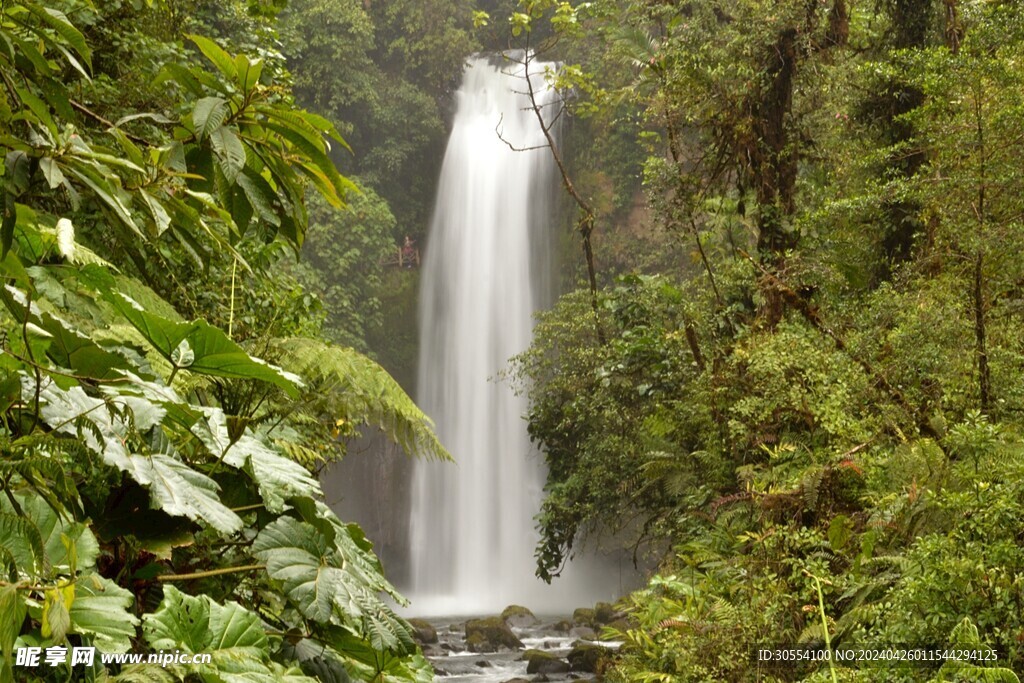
[(540, 662), (583, 616), (490, 635), (586, 657), (423, 631), (483, 663), (518, 616), (604, 613), (541, 678), (517, 680)]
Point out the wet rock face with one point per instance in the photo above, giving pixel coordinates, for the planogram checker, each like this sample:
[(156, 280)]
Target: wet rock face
[(490, 635)]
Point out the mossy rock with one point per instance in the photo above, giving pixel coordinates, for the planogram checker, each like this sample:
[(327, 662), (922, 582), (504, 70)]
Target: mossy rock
[(541, 662), (476, 642), (490, 635), (586, 657), (423, 631), (518, 616), (583, 616), (604, 613)]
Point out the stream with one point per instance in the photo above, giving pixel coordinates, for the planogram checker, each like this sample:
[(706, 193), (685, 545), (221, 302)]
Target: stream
[(453, 662)]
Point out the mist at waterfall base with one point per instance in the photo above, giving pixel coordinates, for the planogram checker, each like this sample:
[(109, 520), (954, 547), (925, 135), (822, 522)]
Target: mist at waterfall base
[(485, 274)]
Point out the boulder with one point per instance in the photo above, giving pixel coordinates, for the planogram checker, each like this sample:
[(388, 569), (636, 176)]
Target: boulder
[(476, 643), (586, 657), (490, 635), (517, 680), (540, 662), (423, 632), (584, 616), (604, 613), (518, 616)]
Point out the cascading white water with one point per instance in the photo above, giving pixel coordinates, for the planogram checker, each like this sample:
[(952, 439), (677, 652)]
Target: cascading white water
[(472, 529)]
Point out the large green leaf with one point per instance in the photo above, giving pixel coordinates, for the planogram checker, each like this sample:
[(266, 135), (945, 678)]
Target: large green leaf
[(12, 614), (65, 542), (261, 196), (181, 622), (216, 54), (309, 569), (174, 487), (59, 22), (370, 663), (330, 578), (63, 410), (180, 491), (73, 350), (108, 194), (231, 634), (102, 610), (229, 151), (208, 115), (207, 349), (277, 477)]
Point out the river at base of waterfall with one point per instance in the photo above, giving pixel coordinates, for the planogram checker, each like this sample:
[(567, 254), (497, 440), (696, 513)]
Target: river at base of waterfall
[(560, 645)]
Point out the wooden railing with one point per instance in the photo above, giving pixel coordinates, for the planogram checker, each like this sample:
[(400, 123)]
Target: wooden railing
[(404, 258)]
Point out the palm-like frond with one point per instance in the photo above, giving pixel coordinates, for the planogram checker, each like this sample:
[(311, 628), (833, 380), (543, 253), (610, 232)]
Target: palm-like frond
[(343, 384)]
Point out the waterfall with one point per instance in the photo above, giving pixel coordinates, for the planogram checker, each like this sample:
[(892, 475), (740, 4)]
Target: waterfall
[(484, 275)]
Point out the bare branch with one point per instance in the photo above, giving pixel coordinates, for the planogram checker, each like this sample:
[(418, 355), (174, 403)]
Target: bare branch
[(512, 147)]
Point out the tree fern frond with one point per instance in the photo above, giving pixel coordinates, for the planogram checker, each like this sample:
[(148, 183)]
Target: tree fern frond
[(345, 384)]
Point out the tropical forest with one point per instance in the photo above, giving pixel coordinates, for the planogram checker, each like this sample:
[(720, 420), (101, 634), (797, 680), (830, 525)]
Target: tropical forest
[(511, 341)]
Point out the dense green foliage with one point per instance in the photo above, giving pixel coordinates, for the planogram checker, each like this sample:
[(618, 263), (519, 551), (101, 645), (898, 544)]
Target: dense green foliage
[(165, 397), (804, 400)]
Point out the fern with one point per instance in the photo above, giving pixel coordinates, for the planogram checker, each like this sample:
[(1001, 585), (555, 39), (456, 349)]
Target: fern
[(810, 486), (344, 384), (23, 541)]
